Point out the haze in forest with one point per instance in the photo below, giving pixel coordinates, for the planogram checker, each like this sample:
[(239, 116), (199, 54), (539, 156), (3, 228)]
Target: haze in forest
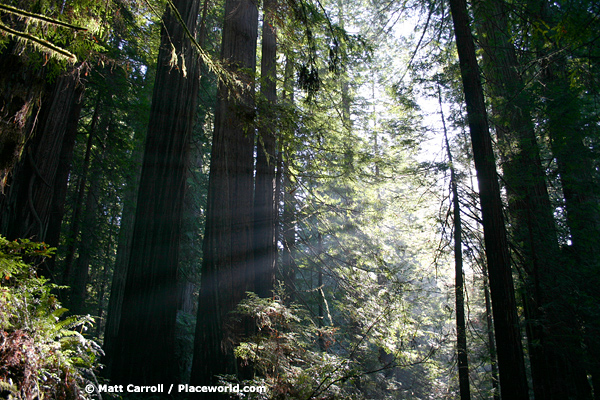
[(299, 199)]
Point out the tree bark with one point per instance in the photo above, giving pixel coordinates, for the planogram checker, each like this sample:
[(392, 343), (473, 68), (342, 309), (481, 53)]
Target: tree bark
[(513, 379), (576, 169), (145, 346), (73, 237), (21, 90), (227, 267), (569, 132), (27, 206), (533, 228), (490, 333), (265, 246), (87, 243), (289, 201), (61, 185), (119, 277)]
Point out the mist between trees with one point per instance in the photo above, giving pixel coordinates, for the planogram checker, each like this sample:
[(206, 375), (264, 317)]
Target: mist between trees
[(240, 194)]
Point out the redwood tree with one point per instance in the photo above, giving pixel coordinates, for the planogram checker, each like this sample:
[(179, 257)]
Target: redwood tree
[(513, 380), (265, 251), (533, 230), (227, 266), (144, 349)]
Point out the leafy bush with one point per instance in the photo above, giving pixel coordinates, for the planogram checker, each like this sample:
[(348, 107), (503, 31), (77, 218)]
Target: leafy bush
[(41, 355), (291, 354)]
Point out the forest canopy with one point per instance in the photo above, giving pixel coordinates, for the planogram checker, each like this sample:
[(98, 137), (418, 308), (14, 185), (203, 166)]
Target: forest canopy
[(299, 199)]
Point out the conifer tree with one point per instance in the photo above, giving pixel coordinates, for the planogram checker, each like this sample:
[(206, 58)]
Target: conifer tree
[(148, 314), (227, 265), (513, 380), (265, 208)]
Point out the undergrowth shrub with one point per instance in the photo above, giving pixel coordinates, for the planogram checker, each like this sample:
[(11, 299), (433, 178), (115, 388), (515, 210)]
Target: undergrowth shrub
[(43, 354), (291, 355)]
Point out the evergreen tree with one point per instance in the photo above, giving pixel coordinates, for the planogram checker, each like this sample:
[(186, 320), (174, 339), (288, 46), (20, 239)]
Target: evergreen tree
[(513, 380), (227, 265), (149, 306), (265, 207)]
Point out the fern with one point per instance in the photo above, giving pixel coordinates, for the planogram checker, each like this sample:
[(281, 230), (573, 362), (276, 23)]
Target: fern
[(42, 353)]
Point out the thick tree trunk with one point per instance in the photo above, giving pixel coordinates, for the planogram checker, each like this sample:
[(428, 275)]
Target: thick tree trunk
[(61, 185), (119, 277), (145, 346), (288, 268), (265, 246), (568, 132), (533, 228), (513, 379), (576, 168), (227, 267), (21, 91), (27, 205)]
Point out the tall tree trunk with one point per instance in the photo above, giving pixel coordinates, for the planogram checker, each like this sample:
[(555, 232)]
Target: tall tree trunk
[(319, 291), (513, 379), (21, 91), (265, 246), (459, 287), (288, 268), (73, 237), (490, 332), (119, 277), (576, 169), (27, 206), (61, 185), (104, 282), (87, 244), (533, 228), (145, 346), (227, 271), (289, 233), (568, 133)]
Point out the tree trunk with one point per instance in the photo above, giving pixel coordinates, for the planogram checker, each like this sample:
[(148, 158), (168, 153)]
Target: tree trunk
[(21, 91), (27, 206), (88, 241), (568, 132), (265, 246), (576, 168), (513, 379), (227, 271), (533, 228), (459, 287), (61, 185), (120, 269), (289, 201), (73, 237), (490, 332), (145, 346)]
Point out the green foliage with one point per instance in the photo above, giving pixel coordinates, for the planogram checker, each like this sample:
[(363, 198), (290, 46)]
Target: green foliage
[(289, 353), (34, 40), (40, 354), (66, 34)]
